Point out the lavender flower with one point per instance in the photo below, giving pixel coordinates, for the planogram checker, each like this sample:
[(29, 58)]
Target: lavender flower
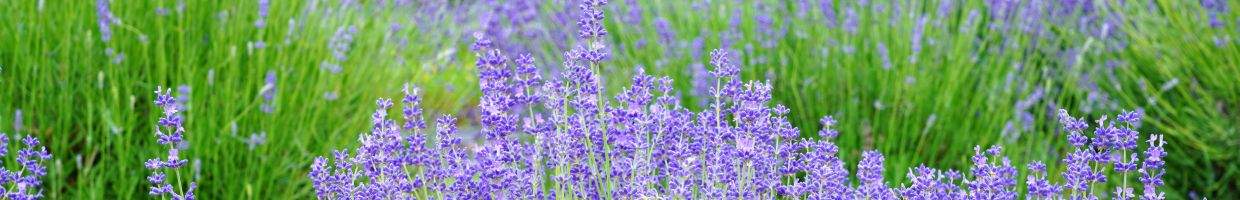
[(263, 7), (255, 140), (24, 182), (161, 11), (1039, 186), (412, 109), (918, 33), (851, 21), (827, 178), (722, 60), (105, 19), (666, 34), (827, 132), (930, 184), (116, 57), (870, 172), (340, 44), (169, 133), (182, 97), (1074, 127), (590, 23), (992, 179), (268, 91), (885, 56), (1214, 8), (765, 23), (827, 7), (1152, 169)]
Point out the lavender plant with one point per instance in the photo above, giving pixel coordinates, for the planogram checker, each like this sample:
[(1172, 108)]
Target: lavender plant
[(170, 133), (26, 181), (644, 144)]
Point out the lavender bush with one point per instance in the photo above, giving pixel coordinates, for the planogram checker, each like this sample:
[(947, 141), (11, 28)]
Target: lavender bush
[(643, 144), (564, 138)]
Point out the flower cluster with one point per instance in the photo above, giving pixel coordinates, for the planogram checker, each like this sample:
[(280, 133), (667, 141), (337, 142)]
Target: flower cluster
[(170, 133), (24, 182), (105, 19), (643, 144), (264, 6), (565, 138), (268, 91)]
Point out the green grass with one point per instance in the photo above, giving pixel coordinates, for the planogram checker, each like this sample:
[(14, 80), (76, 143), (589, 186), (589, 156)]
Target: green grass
[(96, 116)]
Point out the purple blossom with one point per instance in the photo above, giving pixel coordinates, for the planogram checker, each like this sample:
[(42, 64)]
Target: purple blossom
[(1074, 127), (263, 7), (945, 8), (116, 57), (590, 22), (1214, 8), (724, 67), (851, 21), (828, 122), (918, 32), (255, 140), (826, 176), (667, 35), (885, 56), (182, 97), (769, 35), (827, 7), (992, 178), (1152, 169), (340, 44), (161, 11), (1038, 185), (870, 173), (24, 182), (930, 184), (105, 19), (169, 133), (268, 91)]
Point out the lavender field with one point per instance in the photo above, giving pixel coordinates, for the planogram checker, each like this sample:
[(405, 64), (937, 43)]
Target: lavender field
[(620, 99)]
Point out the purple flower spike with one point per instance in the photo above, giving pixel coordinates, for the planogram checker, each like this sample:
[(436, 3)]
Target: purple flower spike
[(103, 12), (169, 133), (25, 181), (1038, 184), (870, 172), (263, 7), (992, 178), (268, 91), (828, 130), (1152, 169), (590, 23), (724, 67)]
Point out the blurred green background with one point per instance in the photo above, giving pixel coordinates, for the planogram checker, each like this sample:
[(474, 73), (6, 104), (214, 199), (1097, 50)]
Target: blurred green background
[(920, 81)]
